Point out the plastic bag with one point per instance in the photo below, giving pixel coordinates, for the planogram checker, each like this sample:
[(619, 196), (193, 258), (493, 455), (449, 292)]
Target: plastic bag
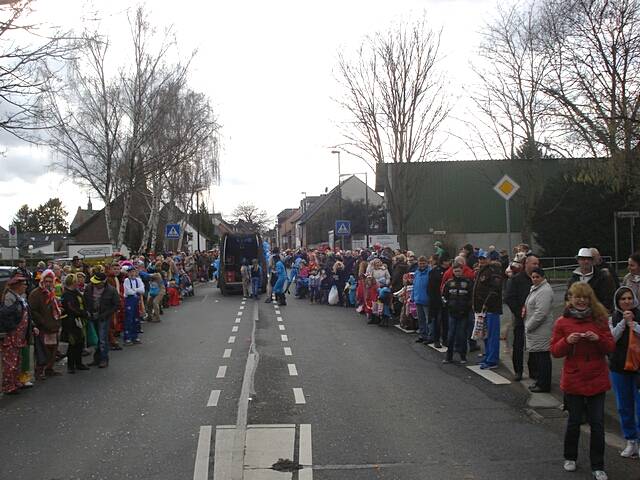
[(333, 295), (632, 362), (92, 336), (479, 328)]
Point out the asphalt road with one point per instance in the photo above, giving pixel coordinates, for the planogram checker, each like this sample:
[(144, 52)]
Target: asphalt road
[(342, 399)]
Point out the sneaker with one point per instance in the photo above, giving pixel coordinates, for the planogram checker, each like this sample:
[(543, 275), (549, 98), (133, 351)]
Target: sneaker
[(488, 366), (569, 465), (137, 341), (463, 361), (631, 450), (437, 345), (128, 343), (600, 475)]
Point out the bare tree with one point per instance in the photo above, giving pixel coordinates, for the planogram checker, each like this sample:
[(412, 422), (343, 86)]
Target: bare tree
[(395, 100), (510, 113), (27, 53), (594, 49), (84, 122), (254, 218)]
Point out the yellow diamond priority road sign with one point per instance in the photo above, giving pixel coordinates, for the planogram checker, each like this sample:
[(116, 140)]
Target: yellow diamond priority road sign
[(506, 187)]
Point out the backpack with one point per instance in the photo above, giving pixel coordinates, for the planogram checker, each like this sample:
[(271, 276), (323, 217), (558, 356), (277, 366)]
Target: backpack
[(10, 317)]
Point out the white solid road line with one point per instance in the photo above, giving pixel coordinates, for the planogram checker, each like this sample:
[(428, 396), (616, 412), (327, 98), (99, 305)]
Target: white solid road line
[(281, 327), (222, 371), (299, 396), (287, 351), (293, 371), (284, 338), (232, 339), (305, 457), (227, 353), (238, 320), (201, 469), (234, 329), (279, 319), (490, 375), (213, 398)]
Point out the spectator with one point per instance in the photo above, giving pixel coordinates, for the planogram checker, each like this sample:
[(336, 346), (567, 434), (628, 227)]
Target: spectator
[(458, 295), (437, 314), (538, 324), (602, 283), (74, 323), (101, 301), (632, 279), (582, 336), (45, 311), (623, 323), (420, 296), (487, 304)]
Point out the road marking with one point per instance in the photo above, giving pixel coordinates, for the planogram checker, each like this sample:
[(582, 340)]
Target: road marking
[(299, 396), (284, 338), (243, 302), (264, 445), (239, 314), (287, 351), (490, 375), (234, 329), (224, 450), (213, 398), (222, 371), (304, 453), (227, 353), (293, 371), (279, 319), (232, 339), (238, 320), (241, 307), (441, 349), (277, 312), (281, 327), (205, 298), (201, 469)]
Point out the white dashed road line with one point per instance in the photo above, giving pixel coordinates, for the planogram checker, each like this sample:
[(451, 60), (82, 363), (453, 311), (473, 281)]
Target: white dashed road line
[(241, 307), (222, 371), (232, 339), (287, 351), (284, 338), (281, 327), (238, 320), (213, 398), (227, 353), (299, 396), (293, 371), (279, 319), (234, 329)]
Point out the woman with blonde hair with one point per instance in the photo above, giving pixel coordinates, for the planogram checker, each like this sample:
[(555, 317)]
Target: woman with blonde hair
[(582, 336)]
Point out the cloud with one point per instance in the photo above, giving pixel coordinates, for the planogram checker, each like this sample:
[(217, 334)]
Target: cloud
[(23, 161)]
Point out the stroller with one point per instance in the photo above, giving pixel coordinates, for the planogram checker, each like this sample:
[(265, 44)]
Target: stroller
[(186, 285)]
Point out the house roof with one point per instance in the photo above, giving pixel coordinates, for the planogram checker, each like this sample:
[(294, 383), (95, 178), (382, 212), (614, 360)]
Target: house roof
[(37, 239), (3, 232), (82, 215), (285, 214)]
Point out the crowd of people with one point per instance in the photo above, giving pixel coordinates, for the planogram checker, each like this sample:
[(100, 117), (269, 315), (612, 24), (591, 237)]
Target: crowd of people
[(457, 304), (61, 312)]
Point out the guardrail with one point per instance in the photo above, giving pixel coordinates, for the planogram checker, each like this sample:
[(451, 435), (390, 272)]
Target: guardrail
[(559, 269)]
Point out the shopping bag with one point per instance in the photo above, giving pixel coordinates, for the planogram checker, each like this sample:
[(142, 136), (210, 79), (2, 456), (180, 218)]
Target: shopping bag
[(632, 362), (92, 335), (333, 295), (479, 328)]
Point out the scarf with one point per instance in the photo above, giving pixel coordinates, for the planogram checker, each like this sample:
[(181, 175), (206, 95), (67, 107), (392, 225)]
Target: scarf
[(579, 314)]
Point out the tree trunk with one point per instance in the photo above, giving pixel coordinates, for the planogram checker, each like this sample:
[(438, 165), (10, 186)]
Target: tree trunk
[(126, 209), (107, 219)]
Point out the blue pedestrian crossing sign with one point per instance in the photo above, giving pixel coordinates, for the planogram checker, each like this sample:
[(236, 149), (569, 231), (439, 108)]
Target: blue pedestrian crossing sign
[(172, 231), (343, 227)]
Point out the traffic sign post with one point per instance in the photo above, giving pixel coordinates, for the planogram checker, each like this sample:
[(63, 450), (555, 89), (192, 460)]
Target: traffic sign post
[(343, 229), (507, 188), (13, 236)]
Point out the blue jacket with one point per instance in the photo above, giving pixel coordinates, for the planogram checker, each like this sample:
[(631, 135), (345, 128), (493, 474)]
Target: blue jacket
[(281, 270), (420, 292)]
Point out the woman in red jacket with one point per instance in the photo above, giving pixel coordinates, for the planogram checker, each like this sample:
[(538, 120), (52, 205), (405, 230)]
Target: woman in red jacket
[(582, 336)]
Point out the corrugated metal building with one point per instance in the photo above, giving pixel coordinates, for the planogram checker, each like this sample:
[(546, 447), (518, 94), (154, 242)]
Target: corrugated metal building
[(457, 197)]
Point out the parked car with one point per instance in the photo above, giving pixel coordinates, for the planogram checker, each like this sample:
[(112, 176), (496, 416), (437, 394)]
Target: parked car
[(5, 274)]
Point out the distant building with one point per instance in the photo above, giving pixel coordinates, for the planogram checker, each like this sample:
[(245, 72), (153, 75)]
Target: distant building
[(82, 216)]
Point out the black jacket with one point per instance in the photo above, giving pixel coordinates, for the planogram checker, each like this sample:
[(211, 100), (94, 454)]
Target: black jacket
[(109, 303), (518, 288), (399, 269), (458, 294), (435, 280), (603, 285), (487, 289)]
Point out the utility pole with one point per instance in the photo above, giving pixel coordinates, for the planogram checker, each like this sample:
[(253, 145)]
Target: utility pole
[(337, 152)]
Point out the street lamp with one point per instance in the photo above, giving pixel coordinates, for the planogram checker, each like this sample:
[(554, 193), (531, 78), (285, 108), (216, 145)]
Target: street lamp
[(337, 152)]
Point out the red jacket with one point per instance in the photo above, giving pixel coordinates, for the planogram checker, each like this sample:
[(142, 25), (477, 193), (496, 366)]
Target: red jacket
[(585, 370), (467, 272), (370, 293)]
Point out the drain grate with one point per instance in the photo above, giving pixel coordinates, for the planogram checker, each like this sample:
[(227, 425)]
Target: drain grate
[(286, 465)]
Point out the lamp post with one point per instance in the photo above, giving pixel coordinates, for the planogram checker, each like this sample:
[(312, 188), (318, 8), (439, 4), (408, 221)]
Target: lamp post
[(337, 152)]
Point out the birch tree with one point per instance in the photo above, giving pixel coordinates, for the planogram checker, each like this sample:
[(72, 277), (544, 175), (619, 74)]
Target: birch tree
[(395, 101)]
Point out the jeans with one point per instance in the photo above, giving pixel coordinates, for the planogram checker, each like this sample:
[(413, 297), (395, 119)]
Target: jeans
[(255, 286), (102, 349), (423, 329), (517, 355), (593, 406), (628, 401), (435, 330), (540, 369), (492, 342), (131, 319), (457, 340)]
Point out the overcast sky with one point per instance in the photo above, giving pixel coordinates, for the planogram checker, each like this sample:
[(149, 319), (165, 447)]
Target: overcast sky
[(268, 67)]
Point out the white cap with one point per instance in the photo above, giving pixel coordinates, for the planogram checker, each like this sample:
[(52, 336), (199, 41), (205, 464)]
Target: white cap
[(585, 253)]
